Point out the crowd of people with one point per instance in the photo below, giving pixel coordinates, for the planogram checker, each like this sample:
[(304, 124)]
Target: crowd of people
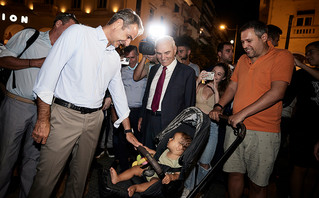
[(72, 105)]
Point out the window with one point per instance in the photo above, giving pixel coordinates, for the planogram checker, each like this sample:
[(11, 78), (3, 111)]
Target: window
[(176, 9), (304, 17), (151, 13), (49, 2), (299, 21), (101, 3), (76, 4), (308, 20), (304, 21)]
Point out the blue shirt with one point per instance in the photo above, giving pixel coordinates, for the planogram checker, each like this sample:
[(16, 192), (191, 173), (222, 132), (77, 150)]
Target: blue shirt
[(79, 69), (25, 78), (134, 90)]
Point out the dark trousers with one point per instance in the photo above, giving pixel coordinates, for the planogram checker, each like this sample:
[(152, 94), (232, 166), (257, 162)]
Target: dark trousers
[(123, 148), (153, 126)]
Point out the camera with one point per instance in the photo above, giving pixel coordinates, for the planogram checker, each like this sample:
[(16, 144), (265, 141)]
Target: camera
[(147, 47), (125, 61), (209, 76)]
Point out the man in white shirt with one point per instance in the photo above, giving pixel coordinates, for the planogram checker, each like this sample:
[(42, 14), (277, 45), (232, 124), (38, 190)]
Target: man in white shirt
[(74, 77), (18, 111)]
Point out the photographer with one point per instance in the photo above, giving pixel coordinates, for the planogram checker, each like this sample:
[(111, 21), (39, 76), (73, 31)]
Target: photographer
[(147, 49)]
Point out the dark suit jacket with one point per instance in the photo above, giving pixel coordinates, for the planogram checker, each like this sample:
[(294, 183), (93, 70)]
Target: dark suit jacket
[(180, 92)]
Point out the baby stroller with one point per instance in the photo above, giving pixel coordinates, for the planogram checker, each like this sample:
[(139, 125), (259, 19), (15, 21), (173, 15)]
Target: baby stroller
[(191, 121)]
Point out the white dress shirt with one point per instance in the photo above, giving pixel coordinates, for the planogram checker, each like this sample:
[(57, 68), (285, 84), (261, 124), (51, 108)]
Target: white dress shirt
[(25, 78), (169, 72), (80, 68)]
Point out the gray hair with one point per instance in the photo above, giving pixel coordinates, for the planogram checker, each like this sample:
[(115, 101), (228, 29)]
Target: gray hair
[(165, 39), (129, 17)]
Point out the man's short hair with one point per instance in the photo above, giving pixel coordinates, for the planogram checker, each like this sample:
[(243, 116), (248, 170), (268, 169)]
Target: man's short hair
[(65, 18), (183, 44), (259, 27), (165, 38), (273, 31), (220, 46), (315, 44), (130, 48), (129, 17)]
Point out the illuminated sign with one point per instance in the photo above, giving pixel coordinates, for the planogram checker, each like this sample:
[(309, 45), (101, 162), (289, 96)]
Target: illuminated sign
[(13, 18)]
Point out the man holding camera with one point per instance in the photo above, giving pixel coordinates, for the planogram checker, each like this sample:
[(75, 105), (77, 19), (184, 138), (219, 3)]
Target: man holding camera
[(148, 50), (170, 89), (134, 92)]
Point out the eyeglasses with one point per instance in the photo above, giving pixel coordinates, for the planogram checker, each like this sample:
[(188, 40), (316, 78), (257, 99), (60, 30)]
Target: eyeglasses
[(68, 15), (65, 17)]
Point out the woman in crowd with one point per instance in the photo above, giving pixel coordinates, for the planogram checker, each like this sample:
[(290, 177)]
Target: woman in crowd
[(208, 93)]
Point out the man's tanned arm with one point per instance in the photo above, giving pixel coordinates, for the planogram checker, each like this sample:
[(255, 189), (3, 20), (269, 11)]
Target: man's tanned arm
[(10, 62), (42, 127)]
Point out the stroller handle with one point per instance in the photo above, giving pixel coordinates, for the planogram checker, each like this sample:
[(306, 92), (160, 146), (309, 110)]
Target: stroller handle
[(152, 161), (240, 129)]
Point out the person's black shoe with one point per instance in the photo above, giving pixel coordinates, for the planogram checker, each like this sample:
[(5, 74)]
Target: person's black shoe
[(110, 152), (99, 152)]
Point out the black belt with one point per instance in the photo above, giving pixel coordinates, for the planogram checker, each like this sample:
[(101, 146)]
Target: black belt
[(69, 105), (156, 113)]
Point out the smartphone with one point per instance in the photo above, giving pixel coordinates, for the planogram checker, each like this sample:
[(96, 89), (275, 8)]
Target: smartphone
[(209, 76)]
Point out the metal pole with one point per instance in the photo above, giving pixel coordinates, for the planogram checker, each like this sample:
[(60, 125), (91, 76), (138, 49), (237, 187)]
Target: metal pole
[(235, 43), (288, 31)]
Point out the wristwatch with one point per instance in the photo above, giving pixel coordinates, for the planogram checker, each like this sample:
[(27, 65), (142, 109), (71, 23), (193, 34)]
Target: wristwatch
[(129, 131), (218, 105)]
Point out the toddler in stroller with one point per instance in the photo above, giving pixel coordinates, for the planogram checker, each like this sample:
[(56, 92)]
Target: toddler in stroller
[(169, 158), (191, 121)]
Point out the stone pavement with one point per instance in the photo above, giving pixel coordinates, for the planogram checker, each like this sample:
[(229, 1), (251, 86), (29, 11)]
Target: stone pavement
[(278, 187)]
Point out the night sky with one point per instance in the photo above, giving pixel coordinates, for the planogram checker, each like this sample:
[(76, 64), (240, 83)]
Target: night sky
[(236, 12)]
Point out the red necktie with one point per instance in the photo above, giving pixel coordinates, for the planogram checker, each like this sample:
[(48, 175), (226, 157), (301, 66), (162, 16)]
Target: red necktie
[(158, 90)]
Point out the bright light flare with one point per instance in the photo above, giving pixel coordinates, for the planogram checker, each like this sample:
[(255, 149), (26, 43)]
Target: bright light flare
[(222, 27), (231, 41), (2, 3), (157, 30), (88, 10), (115, 9)]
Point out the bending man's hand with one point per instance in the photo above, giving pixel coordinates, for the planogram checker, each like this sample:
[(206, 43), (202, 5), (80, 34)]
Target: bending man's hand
[(132, 139)]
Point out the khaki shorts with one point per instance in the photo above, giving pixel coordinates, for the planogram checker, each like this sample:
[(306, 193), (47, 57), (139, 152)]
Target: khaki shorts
[(256, 155)]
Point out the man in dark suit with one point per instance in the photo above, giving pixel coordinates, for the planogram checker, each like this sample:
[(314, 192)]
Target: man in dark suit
[(170, 89)]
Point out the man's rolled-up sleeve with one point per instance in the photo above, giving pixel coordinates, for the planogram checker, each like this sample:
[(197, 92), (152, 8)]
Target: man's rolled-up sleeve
[(119, 98)]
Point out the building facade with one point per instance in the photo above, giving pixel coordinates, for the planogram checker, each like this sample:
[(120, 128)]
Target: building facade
[(298, 19), (194, 18)]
